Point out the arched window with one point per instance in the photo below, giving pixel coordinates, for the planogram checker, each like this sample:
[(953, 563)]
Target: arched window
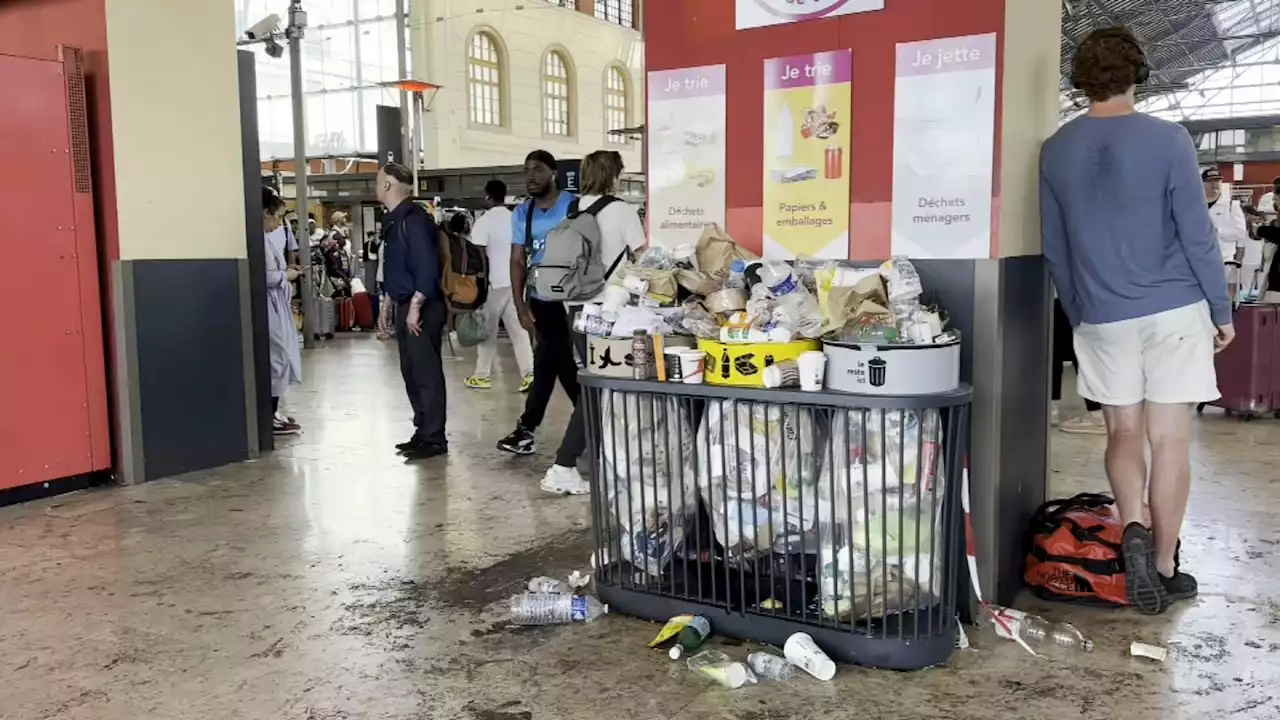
[(556, 101), (617, 12), (615, 104), (484, 80)]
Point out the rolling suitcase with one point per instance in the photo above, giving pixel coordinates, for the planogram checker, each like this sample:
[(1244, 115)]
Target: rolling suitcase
[(326, 320), (346, 310), (1247, 368), (366, 316)]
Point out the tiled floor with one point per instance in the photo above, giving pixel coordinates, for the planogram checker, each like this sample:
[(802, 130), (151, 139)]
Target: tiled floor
[(330, 581)]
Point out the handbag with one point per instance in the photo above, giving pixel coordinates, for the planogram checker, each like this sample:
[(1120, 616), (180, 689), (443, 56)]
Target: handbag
[(471, 329)]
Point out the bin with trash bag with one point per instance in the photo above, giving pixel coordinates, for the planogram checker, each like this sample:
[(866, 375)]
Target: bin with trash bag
[(779, 511)]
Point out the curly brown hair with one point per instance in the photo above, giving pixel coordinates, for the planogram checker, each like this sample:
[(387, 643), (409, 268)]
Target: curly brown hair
[(1107, 63)]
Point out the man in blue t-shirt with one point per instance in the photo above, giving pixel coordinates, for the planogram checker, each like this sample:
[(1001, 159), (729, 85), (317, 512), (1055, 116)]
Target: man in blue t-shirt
[(553, 356)]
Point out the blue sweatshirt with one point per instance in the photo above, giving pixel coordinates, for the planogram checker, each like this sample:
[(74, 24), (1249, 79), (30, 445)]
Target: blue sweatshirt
[(410, 238), (1125, 223)]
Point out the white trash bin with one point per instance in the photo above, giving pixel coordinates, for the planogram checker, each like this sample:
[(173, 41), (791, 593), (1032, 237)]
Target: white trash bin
[(871, 369)]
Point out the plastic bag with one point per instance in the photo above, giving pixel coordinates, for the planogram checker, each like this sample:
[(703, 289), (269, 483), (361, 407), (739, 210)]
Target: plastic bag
[(698, 322), (472, 329), (648, 475), (882, 532), (758, 465)]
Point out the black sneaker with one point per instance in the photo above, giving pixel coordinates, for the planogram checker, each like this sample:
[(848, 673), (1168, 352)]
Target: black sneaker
[(1180, 587), (426, 451), (407, 445), (1142, 583), (519, 442), (282, 428)]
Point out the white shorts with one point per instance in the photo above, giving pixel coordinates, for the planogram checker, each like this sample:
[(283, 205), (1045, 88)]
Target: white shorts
[(1162, 358)]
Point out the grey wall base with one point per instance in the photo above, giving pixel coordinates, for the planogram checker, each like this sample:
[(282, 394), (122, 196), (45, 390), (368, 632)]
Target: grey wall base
[(1003, 309), (184, 366)]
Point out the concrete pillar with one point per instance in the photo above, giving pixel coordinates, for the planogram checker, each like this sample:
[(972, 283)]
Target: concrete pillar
[(183, 360), (1000, 302)]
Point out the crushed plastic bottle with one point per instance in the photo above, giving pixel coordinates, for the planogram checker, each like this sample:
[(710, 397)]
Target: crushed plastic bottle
[(737, 278), (719, 667), (551, 585), (1036, 631), (552, 609), (770, 666)]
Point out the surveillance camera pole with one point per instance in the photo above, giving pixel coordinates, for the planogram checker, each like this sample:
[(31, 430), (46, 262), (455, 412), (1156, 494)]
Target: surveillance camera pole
[(295, 32)]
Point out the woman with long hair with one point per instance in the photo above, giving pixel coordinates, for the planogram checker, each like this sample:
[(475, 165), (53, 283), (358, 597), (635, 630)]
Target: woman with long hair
[(286, 356)]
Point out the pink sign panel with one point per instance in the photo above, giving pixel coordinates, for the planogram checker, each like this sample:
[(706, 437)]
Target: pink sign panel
[(958, 54), (692, 82), (824, 68)]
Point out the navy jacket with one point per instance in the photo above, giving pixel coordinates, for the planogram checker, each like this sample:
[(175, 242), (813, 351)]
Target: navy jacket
[(411, 241)]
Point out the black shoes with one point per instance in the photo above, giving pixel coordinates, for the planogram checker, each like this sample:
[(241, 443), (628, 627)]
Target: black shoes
[(425, 451), (1149, 591), (519, 442), (409, 444), (1142, 583), (1179, 587)]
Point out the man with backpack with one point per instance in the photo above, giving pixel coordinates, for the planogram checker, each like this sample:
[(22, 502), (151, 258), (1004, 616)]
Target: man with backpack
[(553, 357)]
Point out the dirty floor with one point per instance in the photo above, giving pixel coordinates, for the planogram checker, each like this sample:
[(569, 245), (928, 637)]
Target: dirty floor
[(329, 581)]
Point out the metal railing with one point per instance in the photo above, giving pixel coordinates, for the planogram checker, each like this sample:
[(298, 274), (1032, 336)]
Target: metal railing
[(774, 511)]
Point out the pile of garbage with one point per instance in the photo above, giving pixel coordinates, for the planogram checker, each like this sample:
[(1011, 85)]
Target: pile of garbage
[(719, 290), (687, 633)]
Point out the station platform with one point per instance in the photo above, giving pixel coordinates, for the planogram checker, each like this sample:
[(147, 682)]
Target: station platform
[(329, 580)]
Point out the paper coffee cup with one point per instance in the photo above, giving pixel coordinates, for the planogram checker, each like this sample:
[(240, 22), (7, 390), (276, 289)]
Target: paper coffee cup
[(692, 365), (675, 368), (805, 654), (783, 374), (614, 297), (813, 366)]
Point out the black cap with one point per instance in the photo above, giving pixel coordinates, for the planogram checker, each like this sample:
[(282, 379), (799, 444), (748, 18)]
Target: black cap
[(1212, 173), (543, 157)]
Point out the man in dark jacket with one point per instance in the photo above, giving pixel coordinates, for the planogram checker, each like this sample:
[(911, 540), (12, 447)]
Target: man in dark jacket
[(411, 277)]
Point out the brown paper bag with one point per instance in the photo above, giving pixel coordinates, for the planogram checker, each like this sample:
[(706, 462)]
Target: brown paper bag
[(717, 251), (699, 283), (844, 303)]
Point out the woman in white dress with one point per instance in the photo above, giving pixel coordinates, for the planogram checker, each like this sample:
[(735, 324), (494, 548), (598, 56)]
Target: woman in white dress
[(286, 356)]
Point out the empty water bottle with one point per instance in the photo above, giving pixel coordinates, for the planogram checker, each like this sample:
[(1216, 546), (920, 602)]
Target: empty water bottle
[(770, 666), (737, 275), (1035, 630), (546, 584), (553, 609)]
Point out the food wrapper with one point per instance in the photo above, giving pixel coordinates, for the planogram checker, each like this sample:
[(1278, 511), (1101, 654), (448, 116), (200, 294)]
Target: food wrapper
[(902, 278), (716, 252), (661, 284), (698, 322), (844, 304)]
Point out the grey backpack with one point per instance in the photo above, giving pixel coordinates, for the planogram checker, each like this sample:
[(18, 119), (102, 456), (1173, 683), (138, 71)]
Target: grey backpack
[(570, 268)]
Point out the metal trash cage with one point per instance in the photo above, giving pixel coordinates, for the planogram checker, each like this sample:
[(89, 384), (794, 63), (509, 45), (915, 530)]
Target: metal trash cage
[(778, 511)]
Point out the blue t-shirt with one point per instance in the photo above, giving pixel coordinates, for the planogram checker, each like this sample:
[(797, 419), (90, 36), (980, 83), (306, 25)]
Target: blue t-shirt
[(1125, 225), (543, 221)]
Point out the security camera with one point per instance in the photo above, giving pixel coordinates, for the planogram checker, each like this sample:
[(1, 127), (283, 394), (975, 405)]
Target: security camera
[(264, 28)]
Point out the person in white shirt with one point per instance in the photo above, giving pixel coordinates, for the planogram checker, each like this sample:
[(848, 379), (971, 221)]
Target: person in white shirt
[(621, 233), (493, 232), (1233, 231)]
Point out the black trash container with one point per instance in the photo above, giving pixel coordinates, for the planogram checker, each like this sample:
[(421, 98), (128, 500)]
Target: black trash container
[(778, 511)]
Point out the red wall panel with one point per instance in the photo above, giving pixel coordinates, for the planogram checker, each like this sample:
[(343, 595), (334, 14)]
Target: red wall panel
[(685, 33)]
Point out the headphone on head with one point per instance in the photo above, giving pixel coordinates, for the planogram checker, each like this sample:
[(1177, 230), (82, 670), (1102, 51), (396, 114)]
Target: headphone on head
[(1142, 73)]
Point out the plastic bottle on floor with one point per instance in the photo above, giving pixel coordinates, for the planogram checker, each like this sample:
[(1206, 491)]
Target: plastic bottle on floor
[(553, 609), (691, 637), (770, 666), (719, 667), (1036, 631)]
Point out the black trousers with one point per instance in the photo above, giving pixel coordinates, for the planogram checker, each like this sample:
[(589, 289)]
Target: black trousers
[(574, 442), (1064, 351), (423, 370), (552, 360)]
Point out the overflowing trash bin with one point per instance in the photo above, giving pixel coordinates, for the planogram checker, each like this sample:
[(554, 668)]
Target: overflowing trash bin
[(775, 511)]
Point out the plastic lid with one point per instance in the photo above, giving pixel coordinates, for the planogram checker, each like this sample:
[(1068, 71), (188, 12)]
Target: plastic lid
[(738, 265), (675, 652), (641, 333), (736, 675)]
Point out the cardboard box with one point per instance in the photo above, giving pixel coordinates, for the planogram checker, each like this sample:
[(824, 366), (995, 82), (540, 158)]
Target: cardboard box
[(611, 357), (743, 364)]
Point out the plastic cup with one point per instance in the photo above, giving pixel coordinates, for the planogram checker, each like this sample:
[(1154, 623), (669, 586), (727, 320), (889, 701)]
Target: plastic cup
[(692, 366), (614, 297), (805, 654), (813, 365), (783, 374)]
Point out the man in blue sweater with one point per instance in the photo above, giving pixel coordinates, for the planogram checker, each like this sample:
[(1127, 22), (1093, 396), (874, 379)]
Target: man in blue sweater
[(1133, 253)]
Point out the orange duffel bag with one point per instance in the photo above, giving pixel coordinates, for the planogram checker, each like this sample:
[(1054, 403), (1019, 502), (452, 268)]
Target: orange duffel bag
[(1074, 552)]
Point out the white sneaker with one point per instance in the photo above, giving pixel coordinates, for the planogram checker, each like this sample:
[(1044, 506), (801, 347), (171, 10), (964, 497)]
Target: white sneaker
[(1055, 414), (1090, 423), (564, 481)]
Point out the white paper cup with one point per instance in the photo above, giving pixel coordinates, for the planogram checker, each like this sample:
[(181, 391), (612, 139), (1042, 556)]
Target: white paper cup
[(805, 654), (614, 297), (692, 365), (674, 363), (813, 366)]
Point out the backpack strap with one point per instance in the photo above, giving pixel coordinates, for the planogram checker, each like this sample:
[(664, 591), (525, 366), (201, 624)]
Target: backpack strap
[(528, 226), (604, 202)]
